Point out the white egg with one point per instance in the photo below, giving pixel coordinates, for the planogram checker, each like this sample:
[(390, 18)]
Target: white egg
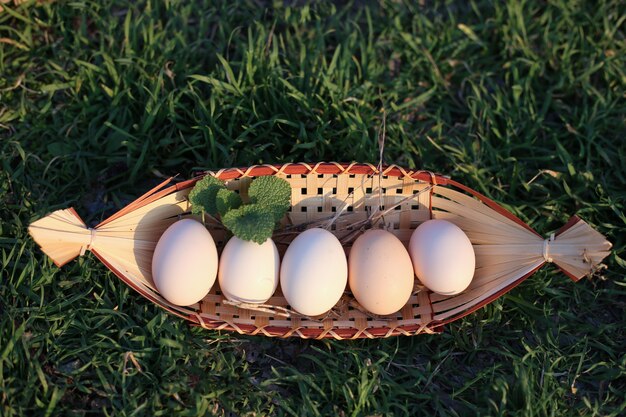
[(442, 256), (184, 264), (314, 272), (248, 272)]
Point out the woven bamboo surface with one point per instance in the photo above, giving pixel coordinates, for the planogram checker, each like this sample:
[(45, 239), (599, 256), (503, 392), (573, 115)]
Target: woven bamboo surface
[(346, 199)]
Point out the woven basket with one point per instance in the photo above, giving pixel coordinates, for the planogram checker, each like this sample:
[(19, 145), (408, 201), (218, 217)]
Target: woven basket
[(346, 199)]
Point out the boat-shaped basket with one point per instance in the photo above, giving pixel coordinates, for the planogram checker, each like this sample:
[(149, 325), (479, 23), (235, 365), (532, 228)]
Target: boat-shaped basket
[(346, 199)]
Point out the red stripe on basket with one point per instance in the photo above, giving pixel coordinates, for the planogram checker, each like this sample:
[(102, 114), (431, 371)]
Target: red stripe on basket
[(329, 168), (315, 333)]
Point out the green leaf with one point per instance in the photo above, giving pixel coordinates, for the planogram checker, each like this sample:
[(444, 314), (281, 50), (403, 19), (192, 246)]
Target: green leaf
[(227, 200), (251, 222), (273, 193), (204, 194)]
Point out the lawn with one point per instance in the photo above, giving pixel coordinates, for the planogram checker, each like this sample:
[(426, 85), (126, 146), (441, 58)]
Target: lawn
[(522, 101)]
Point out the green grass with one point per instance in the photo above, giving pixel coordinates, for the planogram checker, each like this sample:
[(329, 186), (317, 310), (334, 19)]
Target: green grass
[(98, 100)]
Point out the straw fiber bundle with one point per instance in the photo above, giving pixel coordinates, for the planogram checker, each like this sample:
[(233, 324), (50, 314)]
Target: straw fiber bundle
[(346, 199)]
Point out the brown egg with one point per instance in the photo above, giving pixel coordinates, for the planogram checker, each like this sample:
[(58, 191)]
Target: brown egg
[(380, 272)]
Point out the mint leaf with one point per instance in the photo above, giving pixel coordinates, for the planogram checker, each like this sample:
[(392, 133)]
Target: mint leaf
[(273, 193), (203, 195), (226, 200), (251, 222)]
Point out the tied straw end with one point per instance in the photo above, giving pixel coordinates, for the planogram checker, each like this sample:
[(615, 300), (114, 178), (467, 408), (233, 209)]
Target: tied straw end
[(577, 249), (62, 235)]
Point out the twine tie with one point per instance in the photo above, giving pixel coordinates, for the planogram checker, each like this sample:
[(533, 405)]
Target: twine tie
[(546, 248), (86, 247)]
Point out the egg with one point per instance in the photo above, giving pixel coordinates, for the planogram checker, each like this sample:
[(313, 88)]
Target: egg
[(314, 272), (248, 272), (442, 256), (380, 272), (184, 264)]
